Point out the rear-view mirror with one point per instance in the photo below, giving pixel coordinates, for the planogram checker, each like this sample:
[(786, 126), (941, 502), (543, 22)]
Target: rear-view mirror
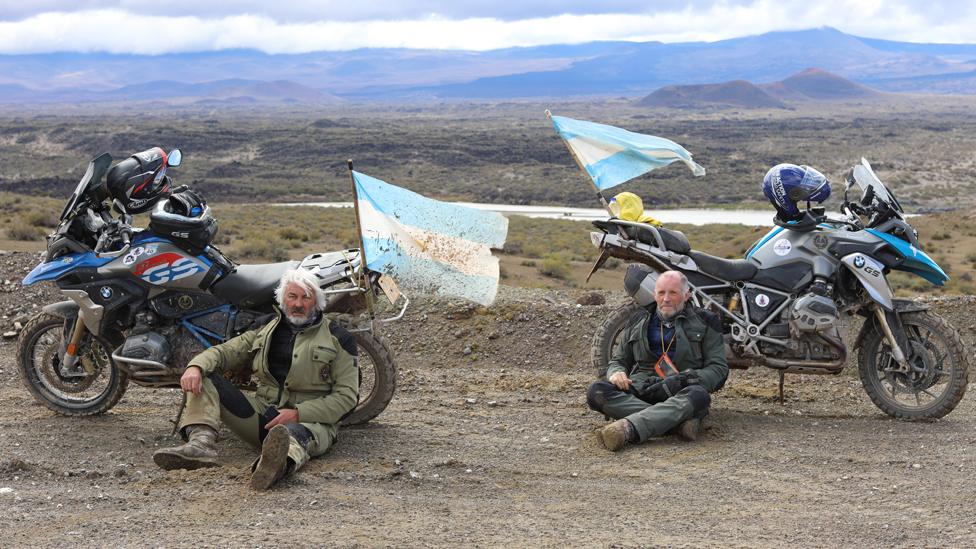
[(174, 158)]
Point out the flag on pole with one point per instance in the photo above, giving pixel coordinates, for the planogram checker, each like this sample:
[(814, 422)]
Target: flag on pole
[(430, 246), (612, 155)]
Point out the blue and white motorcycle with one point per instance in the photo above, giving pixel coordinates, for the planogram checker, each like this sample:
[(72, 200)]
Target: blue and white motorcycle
[(142, 303), (780, 306)]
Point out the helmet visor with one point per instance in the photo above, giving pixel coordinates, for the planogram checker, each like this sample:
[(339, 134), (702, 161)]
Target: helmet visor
[(812, 183)]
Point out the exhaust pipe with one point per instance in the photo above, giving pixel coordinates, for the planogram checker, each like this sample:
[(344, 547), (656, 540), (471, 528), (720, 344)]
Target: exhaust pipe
[(812, 366)]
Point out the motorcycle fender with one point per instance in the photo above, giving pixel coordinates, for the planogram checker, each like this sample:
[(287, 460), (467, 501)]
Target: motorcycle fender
[(870, 273), (89, 312), (63, 309), (910, 306), (901, 306)]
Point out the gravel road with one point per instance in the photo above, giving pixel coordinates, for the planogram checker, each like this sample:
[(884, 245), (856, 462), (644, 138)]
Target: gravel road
[(488, 443)]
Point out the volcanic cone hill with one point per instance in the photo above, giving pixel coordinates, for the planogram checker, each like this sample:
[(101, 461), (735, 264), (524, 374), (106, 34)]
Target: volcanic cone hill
[(809, 85), (737, 93), (818, 85)]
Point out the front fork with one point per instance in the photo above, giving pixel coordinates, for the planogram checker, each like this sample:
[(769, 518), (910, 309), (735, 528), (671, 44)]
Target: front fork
[(896, 351), (71, 354)]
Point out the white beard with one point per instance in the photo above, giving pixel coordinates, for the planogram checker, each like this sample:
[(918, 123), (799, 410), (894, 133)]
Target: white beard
[(298, 321)]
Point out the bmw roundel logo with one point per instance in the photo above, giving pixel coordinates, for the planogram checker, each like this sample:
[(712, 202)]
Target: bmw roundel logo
[(106, 292), (859, 261)]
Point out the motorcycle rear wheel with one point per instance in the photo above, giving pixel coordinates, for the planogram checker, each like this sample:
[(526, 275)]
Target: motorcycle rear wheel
[(938, 362), (607, 336), (67, 392), (377, 374)]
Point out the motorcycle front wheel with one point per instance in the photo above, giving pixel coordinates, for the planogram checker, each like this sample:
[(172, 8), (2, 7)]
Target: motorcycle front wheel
[(377, 378), (93, 386), (938, 368)]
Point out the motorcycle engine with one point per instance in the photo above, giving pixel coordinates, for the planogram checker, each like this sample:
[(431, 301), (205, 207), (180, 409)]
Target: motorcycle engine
[(146, 346), (170, 345), (813, 313)]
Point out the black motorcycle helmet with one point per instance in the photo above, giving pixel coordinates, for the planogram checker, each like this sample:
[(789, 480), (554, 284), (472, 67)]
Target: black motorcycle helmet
[(185, 219), (139, 181), (184, 202)]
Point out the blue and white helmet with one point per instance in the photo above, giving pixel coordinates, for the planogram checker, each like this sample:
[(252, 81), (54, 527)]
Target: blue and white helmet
[(787, 184)]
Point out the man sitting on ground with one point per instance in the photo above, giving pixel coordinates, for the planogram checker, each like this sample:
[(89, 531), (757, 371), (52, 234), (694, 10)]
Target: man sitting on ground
[(307, 381), (670, 357)]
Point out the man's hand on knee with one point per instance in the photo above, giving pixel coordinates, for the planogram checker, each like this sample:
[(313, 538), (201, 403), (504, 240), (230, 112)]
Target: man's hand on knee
[(621, 381), (192, 380), (286, 415)]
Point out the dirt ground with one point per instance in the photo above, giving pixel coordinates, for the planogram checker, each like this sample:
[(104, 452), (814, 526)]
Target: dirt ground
[(488, 443)]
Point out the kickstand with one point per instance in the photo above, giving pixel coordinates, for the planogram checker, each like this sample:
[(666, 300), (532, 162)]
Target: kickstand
[(782, 376), (179, 415)]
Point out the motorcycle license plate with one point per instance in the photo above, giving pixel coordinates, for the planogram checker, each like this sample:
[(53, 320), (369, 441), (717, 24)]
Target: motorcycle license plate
[(390, 289)]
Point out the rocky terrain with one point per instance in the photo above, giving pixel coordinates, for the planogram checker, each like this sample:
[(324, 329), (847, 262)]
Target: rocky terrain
[(488, 442)]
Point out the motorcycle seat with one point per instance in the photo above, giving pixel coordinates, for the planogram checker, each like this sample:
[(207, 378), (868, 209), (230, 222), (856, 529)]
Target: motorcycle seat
[(250, 285), (675, 241), (726, 269)]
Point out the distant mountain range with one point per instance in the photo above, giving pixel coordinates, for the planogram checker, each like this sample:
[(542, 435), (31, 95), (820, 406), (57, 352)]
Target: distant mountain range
[(591, 69), (810, 85)]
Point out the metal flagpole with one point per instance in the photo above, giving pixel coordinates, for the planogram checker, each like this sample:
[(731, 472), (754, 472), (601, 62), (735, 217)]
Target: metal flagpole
[(362, 246), (599, 193)]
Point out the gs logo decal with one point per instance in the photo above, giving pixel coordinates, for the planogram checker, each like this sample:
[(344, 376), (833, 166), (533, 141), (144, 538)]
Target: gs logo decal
[(167, 267)]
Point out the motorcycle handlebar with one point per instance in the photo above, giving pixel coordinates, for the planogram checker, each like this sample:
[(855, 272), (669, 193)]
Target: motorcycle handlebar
[(113, 231)]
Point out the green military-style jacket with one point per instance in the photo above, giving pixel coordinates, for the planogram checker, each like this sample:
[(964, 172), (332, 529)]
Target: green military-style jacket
[(698, 346), (322, 384)]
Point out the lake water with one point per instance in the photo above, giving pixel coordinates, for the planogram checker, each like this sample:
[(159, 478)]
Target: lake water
[(761, 218)]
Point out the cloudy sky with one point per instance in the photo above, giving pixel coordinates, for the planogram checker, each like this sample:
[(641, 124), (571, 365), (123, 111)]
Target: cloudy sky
[(144, 26)]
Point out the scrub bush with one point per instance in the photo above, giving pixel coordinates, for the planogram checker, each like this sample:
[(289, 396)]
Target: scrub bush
[(555, 266)]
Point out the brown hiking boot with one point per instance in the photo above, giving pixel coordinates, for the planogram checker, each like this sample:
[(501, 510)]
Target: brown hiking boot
[(199, 451), (273, 463), (617, 435), (690, 429)]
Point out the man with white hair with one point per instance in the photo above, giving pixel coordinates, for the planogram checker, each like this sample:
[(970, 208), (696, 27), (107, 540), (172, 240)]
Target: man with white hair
[(307, 380)]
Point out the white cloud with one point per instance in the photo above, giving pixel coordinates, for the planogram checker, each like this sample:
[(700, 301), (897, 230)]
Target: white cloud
[(120, 31)]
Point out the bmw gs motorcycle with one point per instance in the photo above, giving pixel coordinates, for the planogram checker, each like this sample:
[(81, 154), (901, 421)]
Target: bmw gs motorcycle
[(781, 304), (142, 303)]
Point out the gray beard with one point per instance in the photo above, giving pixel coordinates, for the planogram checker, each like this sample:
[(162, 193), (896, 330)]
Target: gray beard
[(666, 317), (301, 321)]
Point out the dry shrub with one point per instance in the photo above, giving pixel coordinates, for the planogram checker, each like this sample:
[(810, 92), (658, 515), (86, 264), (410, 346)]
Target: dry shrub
[(270, 249), (21, 230), (555, 266), (42, 219)]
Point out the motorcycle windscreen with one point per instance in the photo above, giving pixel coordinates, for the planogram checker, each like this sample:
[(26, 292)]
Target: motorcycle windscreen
[(93, 175), (865, 177)]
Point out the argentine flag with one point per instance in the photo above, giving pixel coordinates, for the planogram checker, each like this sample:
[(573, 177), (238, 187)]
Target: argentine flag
[(612, 156), (430, 246)]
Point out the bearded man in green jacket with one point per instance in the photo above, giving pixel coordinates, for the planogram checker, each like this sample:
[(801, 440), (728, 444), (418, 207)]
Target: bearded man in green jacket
[(670, 357), (307, 380)]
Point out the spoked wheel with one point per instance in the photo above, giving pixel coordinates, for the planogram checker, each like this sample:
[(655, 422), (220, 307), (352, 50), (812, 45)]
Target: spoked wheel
[(377, 378), (607, 337), (91, 387), (936, 378)]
